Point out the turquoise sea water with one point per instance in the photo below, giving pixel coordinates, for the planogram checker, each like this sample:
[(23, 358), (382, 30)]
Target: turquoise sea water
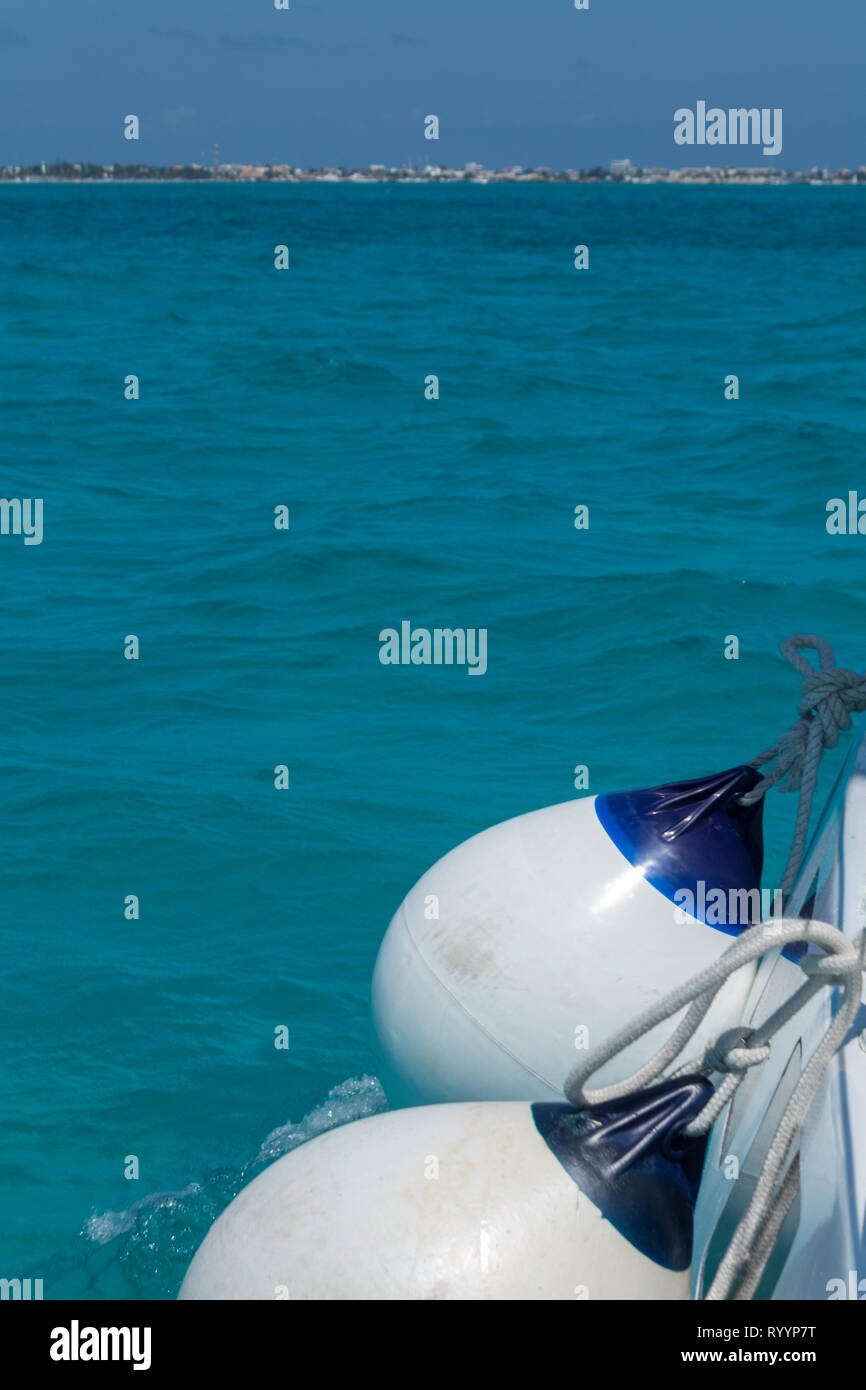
[(154, 1037)]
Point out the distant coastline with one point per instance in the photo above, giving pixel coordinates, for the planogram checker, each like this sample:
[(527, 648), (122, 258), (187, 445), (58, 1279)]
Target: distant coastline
[(619, 171)]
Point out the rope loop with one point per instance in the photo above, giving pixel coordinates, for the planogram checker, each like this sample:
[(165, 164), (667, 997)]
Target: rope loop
[(829, 696), (733, 1054)]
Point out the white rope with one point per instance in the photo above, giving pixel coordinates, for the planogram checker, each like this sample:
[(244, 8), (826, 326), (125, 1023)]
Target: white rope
[(734, 1053), (829, 694), (828, 697)]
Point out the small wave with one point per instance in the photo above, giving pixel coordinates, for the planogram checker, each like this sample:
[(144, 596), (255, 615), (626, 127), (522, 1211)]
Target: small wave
[(157, 1236), (111, 1224), (351, 1100)]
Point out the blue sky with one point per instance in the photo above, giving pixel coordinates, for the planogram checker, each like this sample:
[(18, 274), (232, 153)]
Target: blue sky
[(348, 82)]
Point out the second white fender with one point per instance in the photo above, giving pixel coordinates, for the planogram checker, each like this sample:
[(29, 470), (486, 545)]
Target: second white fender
[(540, 936)]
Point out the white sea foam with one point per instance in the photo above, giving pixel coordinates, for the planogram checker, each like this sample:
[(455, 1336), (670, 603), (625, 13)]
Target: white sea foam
[(108, 1225), (198, 1203), (354, 1099)]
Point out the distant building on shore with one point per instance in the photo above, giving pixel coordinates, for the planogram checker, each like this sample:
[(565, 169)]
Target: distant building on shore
[(619, 171)]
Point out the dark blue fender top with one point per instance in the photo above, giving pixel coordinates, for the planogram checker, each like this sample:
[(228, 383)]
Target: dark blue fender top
[(688, 833), (633, 1163)]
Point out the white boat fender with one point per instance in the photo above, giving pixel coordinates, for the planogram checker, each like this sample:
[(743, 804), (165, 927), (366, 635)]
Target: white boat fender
[(471, 1201), (537, 936)]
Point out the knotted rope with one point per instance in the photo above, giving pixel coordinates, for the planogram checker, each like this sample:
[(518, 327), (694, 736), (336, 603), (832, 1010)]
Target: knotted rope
[(829, 696), (734, 1053)]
